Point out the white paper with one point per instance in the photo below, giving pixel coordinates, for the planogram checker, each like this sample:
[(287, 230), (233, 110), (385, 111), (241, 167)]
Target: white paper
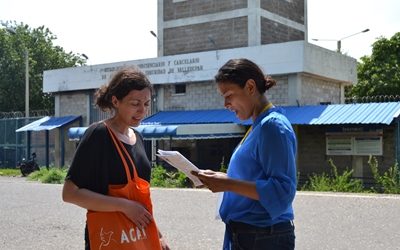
[(180, 162)]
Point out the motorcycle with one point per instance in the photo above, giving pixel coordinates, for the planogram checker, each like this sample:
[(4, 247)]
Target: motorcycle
[(28, 166)]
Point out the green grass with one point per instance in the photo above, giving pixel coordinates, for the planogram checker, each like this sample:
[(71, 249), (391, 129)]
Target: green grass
[(10, 172), (52, 175)]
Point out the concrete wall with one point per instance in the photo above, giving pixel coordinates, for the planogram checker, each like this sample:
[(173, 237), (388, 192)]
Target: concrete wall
[(190, 9), (278, 94), (274, 32), (74, 103), (223, 34), (312, 156), (293, 10), (70, 103), (200, 95), (316, 90), (204, 95), (193, 26)]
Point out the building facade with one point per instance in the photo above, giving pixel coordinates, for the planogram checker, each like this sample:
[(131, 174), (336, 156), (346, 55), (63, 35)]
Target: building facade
[(195, 38)]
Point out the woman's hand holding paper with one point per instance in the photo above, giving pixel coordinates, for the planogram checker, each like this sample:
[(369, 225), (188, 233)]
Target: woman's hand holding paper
[(215, 181)]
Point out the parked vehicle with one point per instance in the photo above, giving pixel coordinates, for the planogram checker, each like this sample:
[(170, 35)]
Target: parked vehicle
[(28, 166)]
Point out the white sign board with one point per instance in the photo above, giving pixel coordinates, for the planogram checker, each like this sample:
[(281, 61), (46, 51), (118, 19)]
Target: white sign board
[(274, 59), (339, 146), (354, 145)]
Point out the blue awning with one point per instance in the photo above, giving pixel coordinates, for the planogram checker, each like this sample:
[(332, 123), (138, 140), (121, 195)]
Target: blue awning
[(303, 115), (189, 124), (76, 133), (355, 113), (211, 116), (222, 123), (148, 132), (48, 123), (358, 113), (180, 131), (157, 131)]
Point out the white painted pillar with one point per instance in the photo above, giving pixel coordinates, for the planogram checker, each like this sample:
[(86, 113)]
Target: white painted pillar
[(342, 98), (160, 28), (358, 169), (254, 23), (294, 89)]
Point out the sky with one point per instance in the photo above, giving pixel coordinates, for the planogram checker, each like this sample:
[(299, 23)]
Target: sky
[(119, 30)]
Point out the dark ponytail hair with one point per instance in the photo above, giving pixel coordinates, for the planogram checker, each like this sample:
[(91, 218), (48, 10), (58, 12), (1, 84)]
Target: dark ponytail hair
[(123, 82), (238, 71)]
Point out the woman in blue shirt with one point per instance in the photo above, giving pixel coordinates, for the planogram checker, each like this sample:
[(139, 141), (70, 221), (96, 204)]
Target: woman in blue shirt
[(260, 184)]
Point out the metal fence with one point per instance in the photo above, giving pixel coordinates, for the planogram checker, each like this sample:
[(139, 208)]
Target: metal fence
[(97, 114), (13, 145)]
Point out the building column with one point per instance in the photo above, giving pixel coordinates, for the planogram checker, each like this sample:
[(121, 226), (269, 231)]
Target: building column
[(160, 98), (160, 29), (159, 106), (305, 21), (57, 148), (56, 105), (397, 141), (254, 23), (57, 112), (358, 170), (342, 89), (294, 89), (89, 101)]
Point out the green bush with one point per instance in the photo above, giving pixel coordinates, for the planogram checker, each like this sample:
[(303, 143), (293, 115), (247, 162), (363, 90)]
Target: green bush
[(389, 182), (52, 175), (344, 182), (318, 183), (223, 167), (335, 182), (160, 177)]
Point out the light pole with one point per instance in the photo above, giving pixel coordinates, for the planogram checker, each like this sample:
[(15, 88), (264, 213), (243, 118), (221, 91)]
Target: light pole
[(158, 42), (85, 56), (26, 59), (26, 54), (339, 42), (211, 40)]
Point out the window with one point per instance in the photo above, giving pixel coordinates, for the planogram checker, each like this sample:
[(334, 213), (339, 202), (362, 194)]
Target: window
[(325, 103), (180, 89), (354, 144)]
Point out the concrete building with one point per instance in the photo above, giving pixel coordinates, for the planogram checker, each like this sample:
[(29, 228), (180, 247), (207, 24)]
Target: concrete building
[(194, 39)]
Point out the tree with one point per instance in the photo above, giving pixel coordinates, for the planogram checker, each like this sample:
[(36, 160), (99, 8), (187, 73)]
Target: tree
[(15, 39), (379, 74)]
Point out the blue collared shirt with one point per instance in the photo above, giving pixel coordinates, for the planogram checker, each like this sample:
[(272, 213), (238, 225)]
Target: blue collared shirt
[(267, 157)]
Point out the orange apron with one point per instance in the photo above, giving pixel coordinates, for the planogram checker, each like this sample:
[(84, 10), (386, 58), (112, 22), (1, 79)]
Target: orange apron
[(113, 230)]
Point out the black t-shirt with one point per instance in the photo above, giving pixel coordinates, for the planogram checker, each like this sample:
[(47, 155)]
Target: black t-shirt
[(97, 164)]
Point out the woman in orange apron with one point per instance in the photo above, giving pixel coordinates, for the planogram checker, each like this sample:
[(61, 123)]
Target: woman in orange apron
[(110, 173)]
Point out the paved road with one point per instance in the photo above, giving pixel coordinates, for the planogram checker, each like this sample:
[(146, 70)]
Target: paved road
[(33, 216)]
